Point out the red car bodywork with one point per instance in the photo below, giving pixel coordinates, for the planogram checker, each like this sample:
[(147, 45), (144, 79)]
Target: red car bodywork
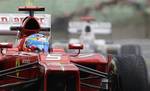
[(57, 65)]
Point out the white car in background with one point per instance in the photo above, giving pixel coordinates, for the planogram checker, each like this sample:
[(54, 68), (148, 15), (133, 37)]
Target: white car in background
[(99, 45), (94, 44)]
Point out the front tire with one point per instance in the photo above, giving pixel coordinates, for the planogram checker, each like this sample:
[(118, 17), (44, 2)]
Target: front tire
[(130, 49), (131, 73)]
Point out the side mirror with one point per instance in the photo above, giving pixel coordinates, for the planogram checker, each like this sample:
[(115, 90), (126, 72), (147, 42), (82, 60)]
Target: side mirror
[(76, 46), (6, 45)]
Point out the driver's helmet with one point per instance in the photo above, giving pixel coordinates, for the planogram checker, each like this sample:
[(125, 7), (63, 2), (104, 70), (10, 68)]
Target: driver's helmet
[(37, 43)]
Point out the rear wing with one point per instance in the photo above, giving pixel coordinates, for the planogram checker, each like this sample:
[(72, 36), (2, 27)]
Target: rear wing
[(103, 28), (31, 9)]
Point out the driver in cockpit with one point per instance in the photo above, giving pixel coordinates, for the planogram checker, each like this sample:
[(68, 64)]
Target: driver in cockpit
[(37, 43)]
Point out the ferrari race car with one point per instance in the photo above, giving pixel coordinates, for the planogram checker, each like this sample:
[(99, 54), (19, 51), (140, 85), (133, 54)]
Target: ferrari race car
[(34, 65)]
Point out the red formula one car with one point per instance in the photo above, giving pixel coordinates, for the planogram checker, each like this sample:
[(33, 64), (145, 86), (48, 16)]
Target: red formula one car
[(36, 66)]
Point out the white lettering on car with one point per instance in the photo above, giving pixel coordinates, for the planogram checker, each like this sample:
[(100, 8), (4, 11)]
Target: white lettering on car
[(54, 57)]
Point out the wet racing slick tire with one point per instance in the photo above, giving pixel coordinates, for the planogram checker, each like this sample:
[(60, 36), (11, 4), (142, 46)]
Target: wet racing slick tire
[(131, 73), (130, 50)]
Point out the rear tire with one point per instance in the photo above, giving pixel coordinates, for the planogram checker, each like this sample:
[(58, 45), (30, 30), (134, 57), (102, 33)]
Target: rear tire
[(131, 73)]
